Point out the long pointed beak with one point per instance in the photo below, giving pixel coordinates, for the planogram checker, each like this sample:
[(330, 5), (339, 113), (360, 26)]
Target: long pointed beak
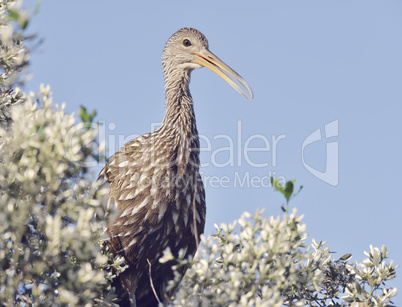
[(207, 59)]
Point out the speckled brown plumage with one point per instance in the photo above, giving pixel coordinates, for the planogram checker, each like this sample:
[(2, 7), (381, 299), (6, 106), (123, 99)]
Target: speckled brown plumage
[(155, 182)]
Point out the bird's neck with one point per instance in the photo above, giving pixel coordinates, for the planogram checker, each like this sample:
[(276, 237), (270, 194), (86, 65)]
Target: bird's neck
[(179, 103), (179, 121)]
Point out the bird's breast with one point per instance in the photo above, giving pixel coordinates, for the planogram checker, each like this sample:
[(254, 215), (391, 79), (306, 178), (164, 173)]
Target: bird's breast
[(157, 206)]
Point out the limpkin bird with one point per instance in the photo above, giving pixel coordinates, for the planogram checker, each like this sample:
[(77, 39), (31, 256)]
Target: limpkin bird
[(155, 182)]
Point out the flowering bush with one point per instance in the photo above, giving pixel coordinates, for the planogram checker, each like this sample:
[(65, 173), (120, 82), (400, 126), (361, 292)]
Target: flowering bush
[(268, 263), (50, 233)]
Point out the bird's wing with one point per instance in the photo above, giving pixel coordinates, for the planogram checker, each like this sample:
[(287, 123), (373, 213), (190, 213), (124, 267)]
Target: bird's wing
[(122, 169), (120, 175), (131, 156)]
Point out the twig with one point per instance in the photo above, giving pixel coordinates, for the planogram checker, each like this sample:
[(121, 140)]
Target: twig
[(194, 218), (152, 284), (132, 300)]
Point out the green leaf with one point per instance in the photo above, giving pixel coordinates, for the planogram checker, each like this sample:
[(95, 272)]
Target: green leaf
[(86, 118), (25, 24), (345, 257), (301, 187), (14, 15), (37, 6), (275, 183), (92, 116), (288, 191), (83, 114)]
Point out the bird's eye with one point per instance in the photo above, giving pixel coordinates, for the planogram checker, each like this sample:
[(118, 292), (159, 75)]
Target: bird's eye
[(186, 43)]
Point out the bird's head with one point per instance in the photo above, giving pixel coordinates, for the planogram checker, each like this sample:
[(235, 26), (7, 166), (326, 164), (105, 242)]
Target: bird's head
[(187, 49)]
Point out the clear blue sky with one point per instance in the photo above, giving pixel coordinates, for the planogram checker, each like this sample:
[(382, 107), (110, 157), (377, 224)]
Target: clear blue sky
[(309, 63)]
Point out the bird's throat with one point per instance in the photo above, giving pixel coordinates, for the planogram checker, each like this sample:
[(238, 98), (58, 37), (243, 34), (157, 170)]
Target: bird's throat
[(179, 121), (179, 103)]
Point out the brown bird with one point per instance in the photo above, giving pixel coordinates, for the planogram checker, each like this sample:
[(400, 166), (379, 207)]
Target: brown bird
[(155, 182)]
